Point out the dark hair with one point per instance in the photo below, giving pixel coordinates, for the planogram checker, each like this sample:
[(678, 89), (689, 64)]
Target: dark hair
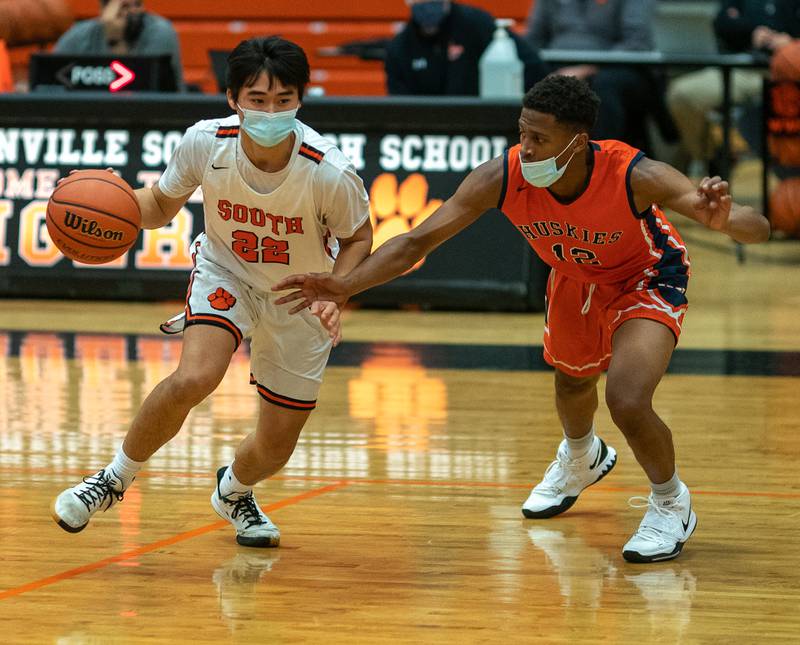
[(279, 58), (570, 100)]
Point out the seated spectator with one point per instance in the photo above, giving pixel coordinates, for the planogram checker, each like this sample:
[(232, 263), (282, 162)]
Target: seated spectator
[(740, 26), (438, 50), (627, 94), (124, 27)]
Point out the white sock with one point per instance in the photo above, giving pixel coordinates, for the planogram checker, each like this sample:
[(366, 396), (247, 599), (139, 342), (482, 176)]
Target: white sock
[(125, 468), (580, 446), (229, 484), (669, 488)]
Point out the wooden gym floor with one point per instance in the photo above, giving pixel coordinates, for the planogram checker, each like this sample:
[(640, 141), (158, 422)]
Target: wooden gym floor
[(400, 508)]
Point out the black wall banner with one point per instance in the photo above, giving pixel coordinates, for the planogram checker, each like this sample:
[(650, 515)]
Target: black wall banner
[(411, 155)]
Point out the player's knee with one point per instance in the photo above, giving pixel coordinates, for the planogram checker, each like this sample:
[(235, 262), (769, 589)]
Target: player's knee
[(627, 405), (570, 386), (190, 389)]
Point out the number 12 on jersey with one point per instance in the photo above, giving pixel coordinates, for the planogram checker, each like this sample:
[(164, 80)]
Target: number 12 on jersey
[(577, 254)]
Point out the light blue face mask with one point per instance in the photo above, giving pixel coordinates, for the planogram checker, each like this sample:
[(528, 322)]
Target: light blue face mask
[(268, 128), (546, 172)]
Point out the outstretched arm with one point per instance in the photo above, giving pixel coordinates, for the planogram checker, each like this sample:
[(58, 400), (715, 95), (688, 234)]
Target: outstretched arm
[(709, 203), (478, 193)]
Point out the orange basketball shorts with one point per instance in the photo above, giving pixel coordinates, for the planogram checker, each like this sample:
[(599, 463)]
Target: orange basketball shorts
[(581, 318)]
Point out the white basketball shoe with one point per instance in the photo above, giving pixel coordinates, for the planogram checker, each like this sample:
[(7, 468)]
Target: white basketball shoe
[(74, 507), (666, 526), (253, 527), (565, 478)]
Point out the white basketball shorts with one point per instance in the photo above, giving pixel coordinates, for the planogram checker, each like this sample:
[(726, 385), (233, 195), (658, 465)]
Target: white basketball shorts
[(288, 353)]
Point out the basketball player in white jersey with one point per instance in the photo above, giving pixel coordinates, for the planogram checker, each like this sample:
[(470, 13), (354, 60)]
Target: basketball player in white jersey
[(279, 199)]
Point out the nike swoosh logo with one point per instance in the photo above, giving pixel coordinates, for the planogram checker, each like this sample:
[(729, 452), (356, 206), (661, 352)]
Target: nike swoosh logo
[(219, 167), (601, 455), (688, 519)]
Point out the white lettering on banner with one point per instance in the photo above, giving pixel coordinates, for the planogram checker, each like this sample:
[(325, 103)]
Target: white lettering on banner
[(352, 147), (91, 156), (437, 153), (32, 183), (54, 147), (6, 211), (157, 147), (116, 140)]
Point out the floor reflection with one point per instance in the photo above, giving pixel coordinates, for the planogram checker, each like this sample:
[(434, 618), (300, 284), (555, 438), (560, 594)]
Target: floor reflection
[(586, 574), (81, 390), (237, 581), (668, 594), (582, 571)]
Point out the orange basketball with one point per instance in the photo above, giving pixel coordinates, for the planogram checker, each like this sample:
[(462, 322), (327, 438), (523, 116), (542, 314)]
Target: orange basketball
[(784, 207), (93, 216), (785, 63)]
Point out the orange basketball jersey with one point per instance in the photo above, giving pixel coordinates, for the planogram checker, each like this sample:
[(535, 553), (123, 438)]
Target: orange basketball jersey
[(598, 237)]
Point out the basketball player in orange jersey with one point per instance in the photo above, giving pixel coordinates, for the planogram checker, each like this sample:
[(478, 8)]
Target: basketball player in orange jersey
[(616, 295), (278, 198)]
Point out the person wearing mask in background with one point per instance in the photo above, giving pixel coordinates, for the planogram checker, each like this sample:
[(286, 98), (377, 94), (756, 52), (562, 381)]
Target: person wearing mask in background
[(740, 26), (438, 51), (627, 94), (124, 27)]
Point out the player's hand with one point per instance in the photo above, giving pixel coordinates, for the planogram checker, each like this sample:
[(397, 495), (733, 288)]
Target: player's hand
[(311, 288), (712, 203), (330, 317)]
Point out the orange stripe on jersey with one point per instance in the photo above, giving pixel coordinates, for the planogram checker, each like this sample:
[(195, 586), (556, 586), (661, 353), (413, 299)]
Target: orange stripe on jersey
[(310, 152), (284, 401), (596, 237), (217, 321), (229, 131)]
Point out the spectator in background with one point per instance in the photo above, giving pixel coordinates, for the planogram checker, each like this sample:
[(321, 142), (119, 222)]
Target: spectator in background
[(124, 27), (438, 50), (740, 26), (627, 94)]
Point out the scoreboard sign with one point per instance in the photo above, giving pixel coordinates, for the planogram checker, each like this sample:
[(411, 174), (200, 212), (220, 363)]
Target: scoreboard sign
[(100, 73)]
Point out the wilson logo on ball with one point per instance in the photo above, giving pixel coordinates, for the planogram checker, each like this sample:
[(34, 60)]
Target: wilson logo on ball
[(90, 227)]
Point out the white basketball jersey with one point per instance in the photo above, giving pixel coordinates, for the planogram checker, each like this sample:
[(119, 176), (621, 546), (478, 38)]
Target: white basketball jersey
[(262, 238)]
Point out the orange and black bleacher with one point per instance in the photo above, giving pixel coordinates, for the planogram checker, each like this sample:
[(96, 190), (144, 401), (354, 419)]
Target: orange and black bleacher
[(204, 25)]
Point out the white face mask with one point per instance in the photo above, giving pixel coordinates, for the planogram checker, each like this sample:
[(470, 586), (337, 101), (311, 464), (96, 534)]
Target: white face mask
[(545, 173), (268, 128)]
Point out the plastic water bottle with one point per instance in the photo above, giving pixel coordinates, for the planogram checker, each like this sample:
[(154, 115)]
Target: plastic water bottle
[(500, 69)]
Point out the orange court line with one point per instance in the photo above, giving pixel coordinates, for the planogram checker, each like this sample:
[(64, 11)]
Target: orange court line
[(400, 482), (180, 537)]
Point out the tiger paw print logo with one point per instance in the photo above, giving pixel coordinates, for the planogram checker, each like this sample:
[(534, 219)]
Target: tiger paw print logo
[(221, 300), (395, 210)]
